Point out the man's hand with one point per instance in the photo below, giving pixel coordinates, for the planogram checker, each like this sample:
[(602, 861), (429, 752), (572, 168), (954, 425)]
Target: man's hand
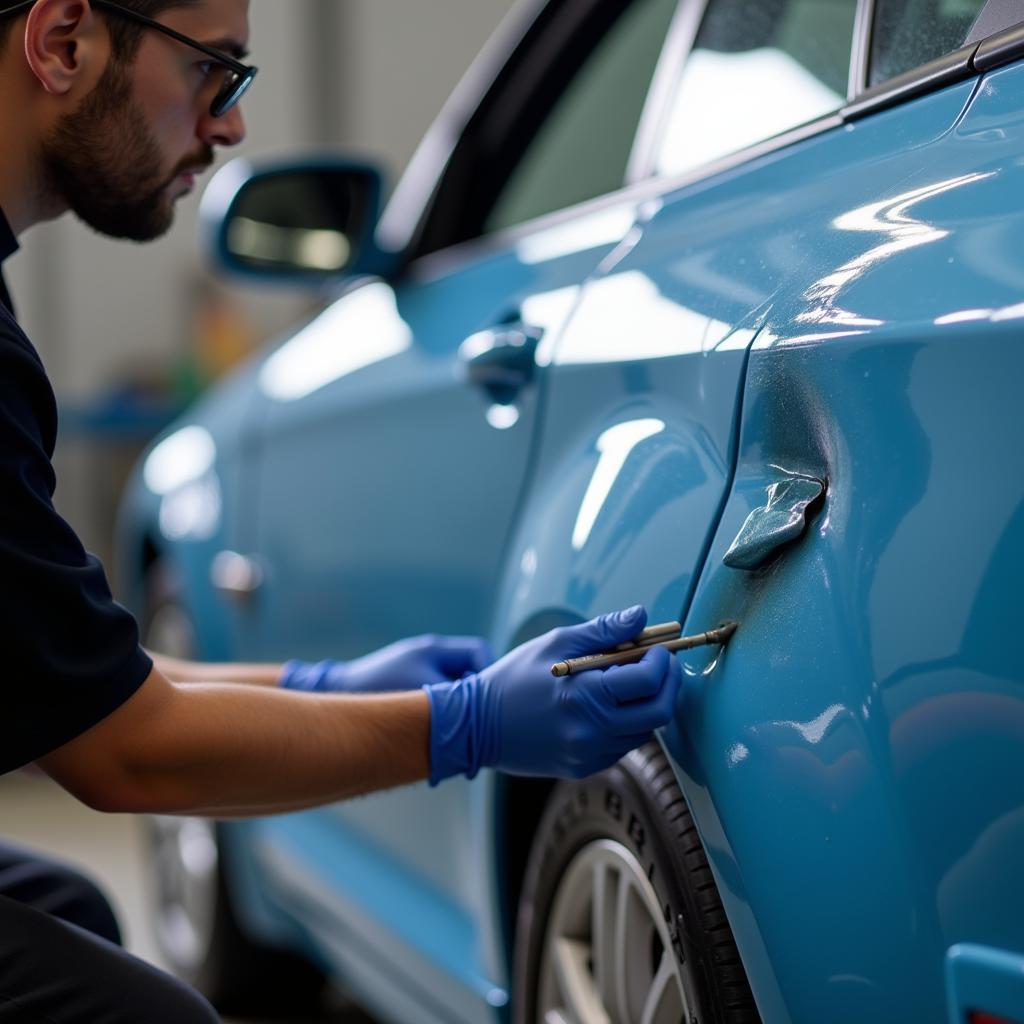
[(404, 665), (517, 717)]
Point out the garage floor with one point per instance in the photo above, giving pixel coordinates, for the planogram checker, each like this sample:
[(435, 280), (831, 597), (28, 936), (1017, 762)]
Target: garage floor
[(38, 813)]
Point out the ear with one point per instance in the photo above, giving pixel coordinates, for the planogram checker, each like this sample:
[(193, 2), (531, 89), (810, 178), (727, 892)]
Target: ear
[(62, 43)]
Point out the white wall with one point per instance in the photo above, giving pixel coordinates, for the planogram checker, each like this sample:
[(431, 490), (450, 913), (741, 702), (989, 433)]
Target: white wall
[(366, 74), (405, 57)]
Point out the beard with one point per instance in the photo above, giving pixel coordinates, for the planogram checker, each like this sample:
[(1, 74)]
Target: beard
[(103, 162)]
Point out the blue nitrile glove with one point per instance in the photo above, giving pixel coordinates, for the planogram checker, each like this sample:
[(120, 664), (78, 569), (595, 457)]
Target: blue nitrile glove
[(403, 665), (517, 717)]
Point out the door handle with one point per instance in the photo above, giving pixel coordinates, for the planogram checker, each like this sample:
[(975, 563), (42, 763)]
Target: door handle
[(501, 360), (236, 576), (781, 519)]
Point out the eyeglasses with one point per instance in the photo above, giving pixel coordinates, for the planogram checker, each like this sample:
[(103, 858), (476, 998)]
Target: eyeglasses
[(237, 76)]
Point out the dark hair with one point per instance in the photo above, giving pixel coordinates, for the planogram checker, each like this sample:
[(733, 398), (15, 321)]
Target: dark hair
[(125, 35)]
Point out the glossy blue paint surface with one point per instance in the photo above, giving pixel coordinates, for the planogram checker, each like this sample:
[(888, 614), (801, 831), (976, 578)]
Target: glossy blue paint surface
[(854, 759), (849, 309)]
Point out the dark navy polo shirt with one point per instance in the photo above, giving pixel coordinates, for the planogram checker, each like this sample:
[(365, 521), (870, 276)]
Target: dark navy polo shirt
[(70, 653)]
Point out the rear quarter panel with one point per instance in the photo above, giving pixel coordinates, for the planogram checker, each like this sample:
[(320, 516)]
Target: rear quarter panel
[(855, 758)]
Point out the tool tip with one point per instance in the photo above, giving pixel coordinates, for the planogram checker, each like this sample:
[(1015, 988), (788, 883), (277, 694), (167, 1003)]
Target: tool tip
[(726, 630)]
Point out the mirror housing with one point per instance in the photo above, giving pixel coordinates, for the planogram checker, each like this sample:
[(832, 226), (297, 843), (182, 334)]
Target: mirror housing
[(308, 222)]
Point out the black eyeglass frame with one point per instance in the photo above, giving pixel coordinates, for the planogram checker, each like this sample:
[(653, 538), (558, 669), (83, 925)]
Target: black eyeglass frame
[(239, 76)]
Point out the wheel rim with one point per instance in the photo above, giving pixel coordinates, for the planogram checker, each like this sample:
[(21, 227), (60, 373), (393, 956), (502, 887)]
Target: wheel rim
[(185, 849), (607, 956), (186, 873), (170, 632)]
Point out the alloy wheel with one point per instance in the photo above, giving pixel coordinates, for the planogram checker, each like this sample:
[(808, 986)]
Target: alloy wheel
[(608, 957), (184, 849), (185, 852)]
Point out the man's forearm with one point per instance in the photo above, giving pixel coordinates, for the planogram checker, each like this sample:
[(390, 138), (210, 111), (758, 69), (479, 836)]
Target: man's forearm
[(221, 749), (180, 671)]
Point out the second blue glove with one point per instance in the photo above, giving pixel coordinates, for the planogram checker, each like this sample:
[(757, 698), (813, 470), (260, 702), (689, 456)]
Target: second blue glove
[(404, 665)]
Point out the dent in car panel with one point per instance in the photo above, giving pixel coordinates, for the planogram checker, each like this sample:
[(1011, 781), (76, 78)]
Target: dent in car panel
[(780, 520)]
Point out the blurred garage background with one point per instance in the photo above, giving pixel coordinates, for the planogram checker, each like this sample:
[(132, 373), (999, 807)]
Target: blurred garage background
[(129, 338)]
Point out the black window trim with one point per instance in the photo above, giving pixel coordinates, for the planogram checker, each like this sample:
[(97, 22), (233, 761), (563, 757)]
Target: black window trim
[(994, 49), (489, 137), (946, 70)]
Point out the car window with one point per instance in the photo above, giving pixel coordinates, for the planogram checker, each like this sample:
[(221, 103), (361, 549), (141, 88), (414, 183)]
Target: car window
[(581, 148), (757, 67), (908, 33)]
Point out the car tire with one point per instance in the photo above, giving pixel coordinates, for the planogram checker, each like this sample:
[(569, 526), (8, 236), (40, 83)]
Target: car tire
[(196, 927), (620, 918)]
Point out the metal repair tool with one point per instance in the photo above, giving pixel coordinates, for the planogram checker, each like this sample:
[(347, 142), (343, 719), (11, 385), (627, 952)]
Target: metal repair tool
[(652, 634), (718, 635)]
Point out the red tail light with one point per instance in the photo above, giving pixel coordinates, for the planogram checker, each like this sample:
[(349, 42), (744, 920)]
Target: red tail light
[(980, 1017)]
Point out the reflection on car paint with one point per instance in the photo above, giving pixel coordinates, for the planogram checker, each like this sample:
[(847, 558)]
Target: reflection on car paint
[(1014, 312), (359, 330), (549, 312), (180, 470), (192, 512), (614, 447), (627, 317), (502, 417), (182, 457), (590, 231), (890, 217)]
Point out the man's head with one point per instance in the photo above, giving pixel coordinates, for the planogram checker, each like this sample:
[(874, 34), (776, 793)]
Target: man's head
[(123, 110)]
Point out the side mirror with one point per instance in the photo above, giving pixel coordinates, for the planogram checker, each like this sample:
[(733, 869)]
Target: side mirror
[(308, 222)]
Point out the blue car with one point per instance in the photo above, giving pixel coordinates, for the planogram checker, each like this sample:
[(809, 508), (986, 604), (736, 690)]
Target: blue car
[(715, 306)]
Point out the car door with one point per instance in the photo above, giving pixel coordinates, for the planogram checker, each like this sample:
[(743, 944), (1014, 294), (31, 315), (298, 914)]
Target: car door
[(398, 434), (645, 383)]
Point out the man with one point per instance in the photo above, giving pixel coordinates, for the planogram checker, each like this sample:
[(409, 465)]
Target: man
[(111, 115)]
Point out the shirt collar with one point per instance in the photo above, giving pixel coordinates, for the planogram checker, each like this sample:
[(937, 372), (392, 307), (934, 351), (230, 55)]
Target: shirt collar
[(8, 243)]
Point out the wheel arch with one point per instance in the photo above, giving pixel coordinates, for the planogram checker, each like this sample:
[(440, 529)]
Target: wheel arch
[(521, 803)]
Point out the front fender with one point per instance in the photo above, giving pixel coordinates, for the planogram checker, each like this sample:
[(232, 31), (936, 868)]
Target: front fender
[(186, 500)]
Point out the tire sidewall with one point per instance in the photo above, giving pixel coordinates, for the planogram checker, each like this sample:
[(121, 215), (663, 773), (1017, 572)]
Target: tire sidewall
[(610, 805)]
